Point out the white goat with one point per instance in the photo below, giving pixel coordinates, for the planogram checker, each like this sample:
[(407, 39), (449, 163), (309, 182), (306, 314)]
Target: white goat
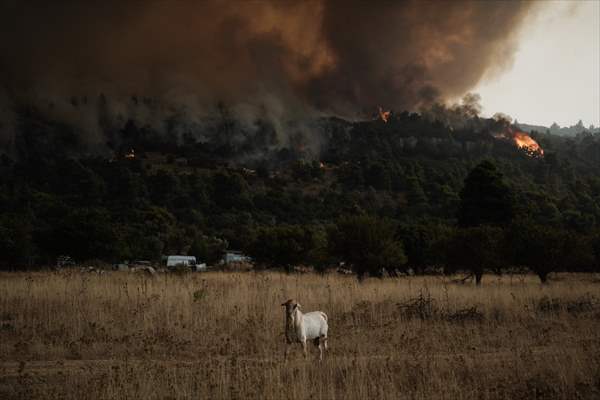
[(301, 327)]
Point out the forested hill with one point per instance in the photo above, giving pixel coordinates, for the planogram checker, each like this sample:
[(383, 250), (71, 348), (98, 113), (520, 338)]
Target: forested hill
[(197, 189)]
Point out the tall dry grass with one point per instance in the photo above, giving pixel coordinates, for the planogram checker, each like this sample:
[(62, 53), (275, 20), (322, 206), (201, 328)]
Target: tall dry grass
[(220, 335)]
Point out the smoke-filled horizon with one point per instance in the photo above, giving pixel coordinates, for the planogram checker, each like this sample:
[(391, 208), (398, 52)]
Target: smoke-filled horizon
[(342, 57)]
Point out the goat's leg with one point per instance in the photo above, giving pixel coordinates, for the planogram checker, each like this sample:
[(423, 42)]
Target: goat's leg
[(320, 351), (304, 348), (287, 350)]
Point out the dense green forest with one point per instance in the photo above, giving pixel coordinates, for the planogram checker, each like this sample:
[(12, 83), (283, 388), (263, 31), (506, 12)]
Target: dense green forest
[(420, 192)]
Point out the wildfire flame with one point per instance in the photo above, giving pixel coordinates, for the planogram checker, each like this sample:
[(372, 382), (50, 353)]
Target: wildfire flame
[(521, 139), (525, 142), (384, 115)]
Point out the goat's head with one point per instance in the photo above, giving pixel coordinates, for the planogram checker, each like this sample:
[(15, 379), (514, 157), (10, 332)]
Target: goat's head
[(290, 306), (290, 309)]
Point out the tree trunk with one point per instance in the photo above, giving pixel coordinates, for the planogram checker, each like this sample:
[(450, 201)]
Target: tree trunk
[(543, 277), (478, 276)]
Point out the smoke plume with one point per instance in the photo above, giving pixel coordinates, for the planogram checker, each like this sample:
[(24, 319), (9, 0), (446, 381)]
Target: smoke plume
[(345, 57)]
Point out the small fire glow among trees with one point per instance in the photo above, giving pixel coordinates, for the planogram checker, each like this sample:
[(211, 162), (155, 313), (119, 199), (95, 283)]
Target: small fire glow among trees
[(521, 139), (525, 142)]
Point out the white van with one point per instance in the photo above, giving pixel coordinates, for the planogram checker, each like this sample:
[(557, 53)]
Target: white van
[(186, 261), (174, 261)]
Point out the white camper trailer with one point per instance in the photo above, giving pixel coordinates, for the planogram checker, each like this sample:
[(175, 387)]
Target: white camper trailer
[(186, 261)]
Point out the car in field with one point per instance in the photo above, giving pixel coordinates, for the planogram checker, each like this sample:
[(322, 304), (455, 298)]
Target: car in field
[(177, 261)]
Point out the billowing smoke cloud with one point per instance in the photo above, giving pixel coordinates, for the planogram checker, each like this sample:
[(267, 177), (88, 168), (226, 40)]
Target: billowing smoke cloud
[(406, 54), (227, 50), (274, 57)]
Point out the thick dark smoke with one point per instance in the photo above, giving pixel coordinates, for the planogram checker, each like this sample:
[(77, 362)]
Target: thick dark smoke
[(406, 54), (282, 59)]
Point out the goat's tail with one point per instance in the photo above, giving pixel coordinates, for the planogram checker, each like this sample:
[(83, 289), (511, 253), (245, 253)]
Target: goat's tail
[(324, 316)]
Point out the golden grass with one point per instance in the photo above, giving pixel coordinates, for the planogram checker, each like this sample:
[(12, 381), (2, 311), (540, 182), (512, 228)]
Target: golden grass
[(220, 335)]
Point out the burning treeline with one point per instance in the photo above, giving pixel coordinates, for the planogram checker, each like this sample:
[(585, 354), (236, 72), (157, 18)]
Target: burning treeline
[(526, 142), (466, 114), (513, 134), (520, 139), (291, 58)]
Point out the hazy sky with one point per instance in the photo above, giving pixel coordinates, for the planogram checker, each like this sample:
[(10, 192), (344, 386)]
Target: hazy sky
[(556, 71)]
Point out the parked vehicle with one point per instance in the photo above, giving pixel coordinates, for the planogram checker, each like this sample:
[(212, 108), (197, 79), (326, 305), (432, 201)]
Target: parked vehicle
[(185, 261), (233, 256)]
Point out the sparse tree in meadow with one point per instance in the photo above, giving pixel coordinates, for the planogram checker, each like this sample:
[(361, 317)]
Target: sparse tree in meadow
[(366, 243), (421, 244), (545, 250), (475, 249), (485, 199), (284, 245)]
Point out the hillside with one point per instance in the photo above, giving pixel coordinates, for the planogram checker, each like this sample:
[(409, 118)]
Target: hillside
[(198, 189)]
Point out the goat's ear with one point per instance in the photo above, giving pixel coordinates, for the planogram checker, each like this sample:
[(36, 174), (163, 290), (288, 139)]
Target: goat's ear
[(297, 305), (283, 304)]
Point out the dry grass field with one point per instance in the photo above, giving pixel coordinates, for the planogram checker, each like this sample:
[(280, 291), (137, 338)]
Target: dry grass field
[(220, 335)]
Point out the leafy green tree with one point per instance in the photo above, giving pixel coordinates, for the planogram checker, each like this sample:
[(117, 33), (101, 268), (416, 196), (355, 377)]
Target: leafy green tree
[(86, 233), (366, 243), (164, 187), (208, 249), (377, 175), (135, 243), (147, 233), (16, 240), (545, 250), (351, 175), (126, 184), (231, 191), (79, 182), (485, 198), (284, 245), (475, 249), (415, 195), (422, 244)]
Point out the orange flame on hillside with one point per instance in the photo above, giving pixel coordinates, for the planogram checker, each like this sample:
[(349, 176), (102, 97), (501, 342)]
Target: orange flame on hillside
[(384, 115), (521, 139), (525, 142)]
